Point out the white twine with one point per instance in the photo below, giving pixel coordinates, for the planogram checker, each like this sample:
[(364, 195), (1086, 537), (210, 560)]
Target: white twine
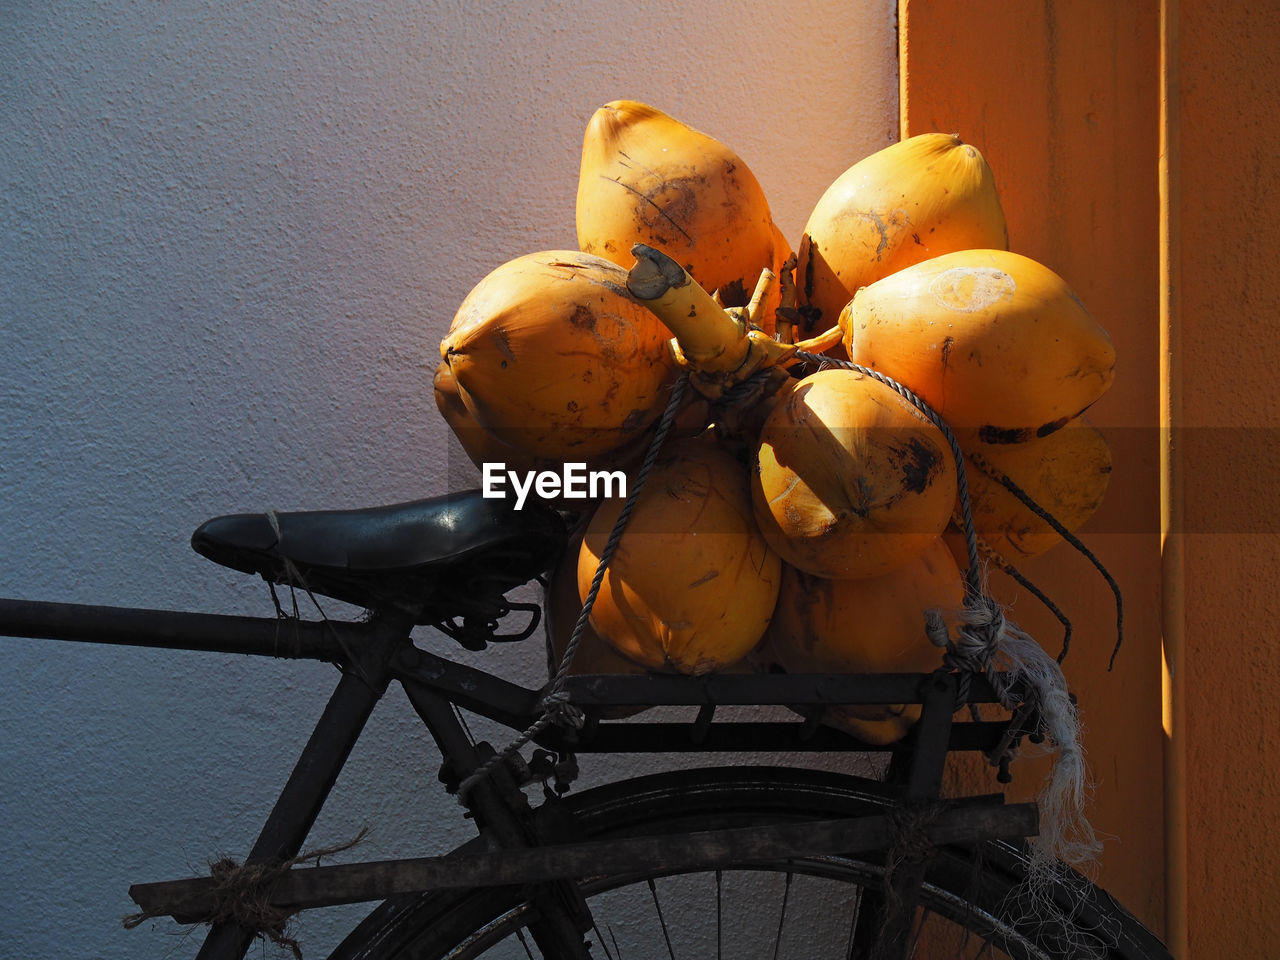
[(992, 643)]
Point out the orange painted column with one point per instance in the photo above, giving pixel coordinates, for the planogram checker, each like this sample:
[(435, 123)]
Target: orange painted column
[(1135, 145), (1223, 279), (1063, 100)]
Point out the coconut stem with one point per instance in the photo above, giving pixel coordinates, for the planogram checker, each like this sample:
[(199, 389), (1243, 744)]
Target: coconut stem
[(710, 338), (822, 342), (765, 287)]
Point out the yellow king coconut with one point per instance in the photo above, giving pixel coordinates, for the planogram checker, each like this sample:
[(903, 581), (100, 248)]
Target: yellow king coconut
[(648, 178), (479, 444), (1066, 473), (483, 447), (692, 584), (995, 342), (562, 608), (552, 356), (871, 625), (917, 199), (851, 480)]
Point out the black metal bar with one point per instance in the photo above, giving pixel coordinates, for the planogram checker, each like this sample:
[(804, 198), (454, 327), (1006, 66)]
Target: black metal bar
[(745, 736), (350, 883), (812, 723), (482, 693), (789, 689), (515, 706), (471, 688), (314, 774), (702, 723), (933, 735), (215, 633)]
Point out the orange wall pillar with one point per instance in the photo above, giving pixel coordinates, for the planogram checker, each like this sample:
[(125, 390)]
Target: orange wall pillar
[(1062, 99), (1224, 405), (1136, 147)]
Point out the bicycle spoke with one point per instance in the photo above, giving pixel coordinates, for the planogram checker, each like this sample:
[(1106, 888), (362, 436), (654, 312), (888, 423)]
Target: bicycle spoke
[(719, 914), (917, 931), (924, 940), (853, 922), (666, 935), (600, 937), (782, 914), (524, 943), (462, 721)]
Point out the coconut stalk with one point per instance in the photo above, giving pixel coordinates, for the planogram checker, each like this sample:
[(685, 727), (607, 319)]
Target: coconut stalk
[(716, 344)]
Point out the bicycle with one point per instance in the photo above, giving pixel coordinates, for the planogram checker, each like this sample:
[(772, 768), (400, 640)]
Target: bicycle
[(545, 875), (903, 871)]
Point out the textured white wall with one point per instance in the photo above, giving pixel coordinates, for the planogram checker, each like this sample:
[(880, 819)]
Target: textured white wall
[(231, 238)]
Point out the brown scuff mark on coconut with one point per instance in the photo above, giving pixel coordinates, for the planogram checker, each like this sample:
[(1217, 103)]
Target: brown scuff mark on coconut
[(676, 201), (684, 206), (735, 294), (583, 317), (502, 340), (881, 228)]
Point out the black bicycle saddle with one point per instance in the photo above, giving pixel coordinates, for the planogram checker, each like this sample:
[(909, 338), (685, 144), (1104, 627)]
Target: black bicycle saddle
[(436, 558)]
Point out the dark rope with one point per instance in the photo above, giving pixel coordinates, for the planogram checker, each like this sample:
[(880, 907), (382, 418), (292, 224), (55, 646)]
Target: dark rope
[(555, 705), (745, 388), (978, 643), (1004, 480), (1044, 598), (972, 574), (294, 578), (611, 545), (1015, 574), (975, 649), (911, 847)]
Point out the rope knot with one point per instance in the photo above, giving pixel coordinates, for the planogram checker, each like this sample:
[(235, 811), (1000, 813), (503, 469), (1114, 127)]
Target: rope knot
[(935, 628), (978, 639), (557, 708)]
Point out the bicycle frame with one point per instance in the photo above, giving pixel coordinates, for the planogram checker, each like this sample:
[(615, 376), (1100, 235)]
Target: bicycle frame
[(375, 652)]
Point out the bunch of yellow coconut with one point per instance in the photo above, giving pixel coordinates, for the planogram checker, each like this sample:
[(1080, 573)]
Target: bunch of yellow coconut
[(809, 532)]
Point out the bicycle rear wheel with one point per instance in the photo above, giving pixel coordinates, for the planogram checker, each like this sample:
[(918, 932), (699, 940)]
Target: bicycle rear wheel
[(973, 903)]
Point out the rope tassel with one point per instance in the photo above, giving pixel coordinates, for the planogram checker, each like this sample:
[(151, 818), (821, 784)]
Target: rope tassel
[(990, 643)]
